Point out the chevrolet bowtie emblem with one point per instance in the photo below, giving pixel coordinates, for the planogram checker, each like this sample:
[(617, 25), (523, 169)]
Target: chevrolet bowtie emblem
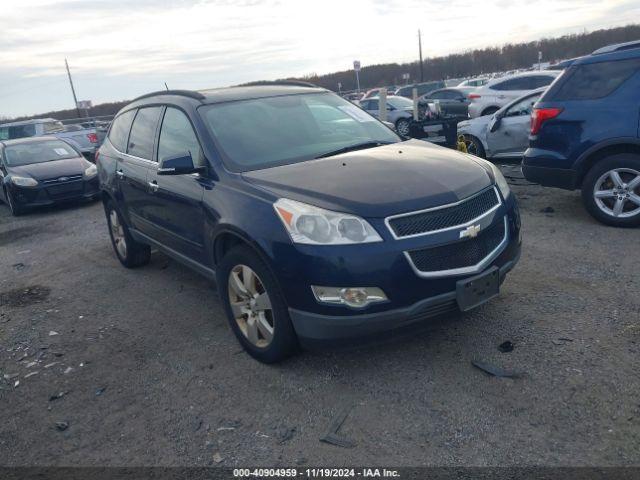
[(63, 179), (470, 232)]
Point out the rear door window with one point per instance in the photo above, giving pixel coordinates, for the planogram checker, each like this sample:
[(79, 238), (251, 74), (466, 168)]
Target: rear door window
[(596, 80), (143, 132), (119, 132)]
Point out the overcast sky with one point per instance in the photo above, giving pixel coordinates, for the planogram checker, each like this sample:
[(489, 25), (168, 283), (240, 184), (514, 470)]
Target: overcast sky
[(118, 49)]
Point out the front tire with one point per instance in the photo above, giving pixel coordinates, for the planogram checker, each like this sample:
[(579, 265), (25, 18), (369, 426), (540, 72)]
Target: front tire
[(611, 190), (16, 210), (255, 307), (474, 146), (131, 254)]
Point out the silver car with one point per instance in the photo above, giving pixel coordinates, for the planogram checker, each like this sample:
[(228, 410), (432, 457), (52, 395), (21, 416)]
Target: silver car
[(505, 134), (399, 111)]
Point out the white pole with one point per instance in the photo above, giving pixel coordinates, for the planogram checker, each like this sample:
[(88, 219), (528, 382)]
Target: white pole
[(415, 104), (382, 104)]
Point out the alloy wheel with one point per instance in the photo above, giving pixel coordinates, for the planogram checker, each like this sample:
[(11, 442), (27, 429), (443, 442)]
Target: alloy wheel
[(403, 128), (617, 193), (251, 306), (117, 232)]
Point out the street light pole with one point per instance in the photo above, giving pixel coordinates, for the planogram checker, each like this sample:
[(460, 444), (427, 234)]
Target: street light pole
[(73, 90)]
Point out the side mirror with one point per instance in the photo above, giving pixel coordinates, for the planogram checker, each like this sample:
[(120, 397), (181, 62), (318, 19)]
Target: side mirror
[(180, 164), (495, 123)]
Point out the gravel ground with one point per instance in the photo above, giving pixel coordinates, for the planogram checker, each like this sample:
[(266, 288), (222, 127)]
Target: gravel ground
[(151, 374)]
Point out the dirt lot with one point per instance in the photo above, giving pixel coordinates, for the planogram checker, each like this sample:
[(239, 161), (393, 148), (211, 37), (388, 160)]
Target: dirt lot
[(152, 375)]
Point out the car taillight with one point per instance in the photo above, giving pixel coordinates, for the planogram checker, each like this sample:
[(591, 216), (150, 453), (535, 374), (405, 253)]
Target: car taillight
[(473, 96), (541, 115), (93, 138)]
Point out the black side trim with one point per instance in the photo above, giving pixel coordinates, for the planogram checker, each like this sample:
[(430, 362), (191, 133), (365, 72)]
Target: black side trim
[(201, 269)]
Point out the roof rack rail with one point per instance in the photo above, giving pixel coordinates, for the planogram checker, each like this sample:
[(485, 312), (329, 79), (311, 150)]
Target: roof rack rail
[(182, 93), (616, 47), (292, 83)]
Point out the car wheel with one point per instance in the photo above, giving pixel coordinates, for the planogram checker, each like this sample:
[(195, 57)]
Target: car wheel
[(489, 111), (130, 253), (611, 190), (255, 308), (402, 127), (474, 146), (15, 209)]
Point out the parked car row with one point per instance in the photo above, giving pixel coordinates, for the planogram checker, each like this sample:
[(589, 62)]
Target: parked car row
[(83, 138), (582, 132)]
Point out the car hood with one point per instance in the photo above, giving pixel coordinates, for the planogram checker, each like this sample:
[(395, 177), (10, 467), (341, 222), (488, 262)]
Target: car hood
[(53, 169), (378, 182)]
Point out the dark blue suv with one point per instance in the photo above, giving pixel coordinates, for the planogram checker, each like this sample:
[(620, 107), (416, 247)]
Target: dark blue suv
[(316, 220), (585, 134)]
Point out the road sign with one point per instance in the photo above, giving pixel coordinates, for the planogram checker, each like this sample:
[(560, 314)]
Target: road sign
[(84, 104), (356, 65)]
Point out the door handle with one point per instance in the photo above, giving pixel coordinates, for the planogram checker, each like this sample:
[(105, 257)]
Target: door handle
[(153, 186), (120, 174)]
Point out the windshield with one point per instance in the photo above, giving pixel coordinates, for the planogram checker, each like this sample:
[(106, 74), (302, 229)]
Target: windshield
[(399, 102), (38, 152), (11, 132), (266, 132)]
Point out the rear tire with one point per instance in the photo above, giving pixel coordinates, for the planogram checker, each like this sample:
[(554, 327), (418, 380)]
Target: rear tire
[(131, 254), (255, 306), (474, 146), (611, 190)]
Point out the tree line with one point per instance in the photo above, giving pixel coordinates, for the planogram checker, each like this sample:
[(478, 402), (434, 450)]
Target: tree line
[(507, 57)]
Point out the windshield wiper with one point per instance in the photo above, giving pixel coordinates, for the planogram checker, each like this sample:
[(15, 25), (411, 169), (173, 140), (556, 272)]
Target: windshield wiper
[(352, 148)]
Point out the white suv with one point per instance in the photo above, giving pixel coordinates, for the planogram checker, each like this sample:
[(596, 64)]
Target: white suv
[(497, 93)]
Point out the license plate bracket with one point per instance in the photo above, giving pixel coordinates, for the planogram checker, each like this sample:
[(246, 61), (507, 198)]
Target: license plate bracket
[(474, 291)]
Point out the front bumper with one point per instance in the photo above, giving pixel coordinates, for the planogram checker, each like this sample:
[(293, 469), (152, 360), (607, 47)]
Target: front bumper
[(411, 294), (49, 194), (312, 327)]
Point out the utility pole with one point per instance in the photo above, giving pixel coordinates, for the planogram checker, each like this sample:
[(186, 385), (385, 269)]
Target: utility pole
[(73, 90), (420, 50)]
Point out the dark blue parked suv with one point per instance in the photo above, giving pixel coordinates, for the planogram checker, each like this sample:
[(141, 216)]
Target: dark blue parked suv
[(317, 221), (585, 133)]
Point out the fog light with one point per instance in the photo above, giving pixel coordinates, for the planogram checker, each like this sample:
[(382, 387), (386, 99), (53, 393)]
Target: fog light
[(357, 297)]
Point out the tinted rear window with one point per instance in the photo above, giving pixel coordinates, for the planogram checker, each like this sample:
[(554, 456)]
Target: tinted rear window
[(119, 132), (596, 80), (17, 131)]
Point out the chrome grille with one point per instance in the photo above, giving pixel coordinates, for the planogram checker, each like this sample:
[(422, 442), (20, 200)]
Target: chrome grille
[(62, 179), (465, 256), (445, 217)]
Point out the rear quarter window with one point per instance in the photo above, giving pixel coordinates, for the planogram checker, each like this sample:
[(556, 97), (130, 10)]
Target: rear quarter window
[(596, 80), (119, 132)]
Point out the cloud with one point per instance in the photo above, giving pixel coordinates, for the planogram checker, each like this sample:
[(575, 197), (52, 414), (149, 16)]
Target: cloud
[(134, 44)]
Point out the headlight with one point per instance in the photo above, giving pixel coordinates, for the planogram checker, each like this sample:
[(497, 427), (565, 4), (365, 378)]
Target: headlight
[(91, 171), (501, 182), (316, 226), (24, 181)]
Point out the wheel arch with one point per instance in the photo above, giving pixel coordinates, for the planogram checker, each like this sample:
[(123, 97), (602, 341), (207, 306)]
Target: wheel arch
[(603, 150), (229, 237)]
